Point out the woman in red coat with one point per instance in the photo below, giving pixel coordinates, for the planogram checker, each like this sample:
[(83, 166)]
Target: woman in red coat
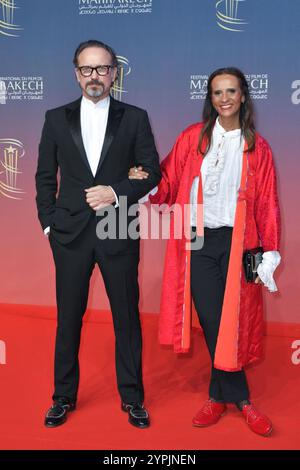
[(223, 171)]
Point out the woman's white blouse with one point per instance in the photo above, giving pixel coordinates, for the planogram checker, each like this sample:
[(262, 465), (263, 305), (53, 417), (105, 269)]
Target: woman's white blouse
[(221, 172)]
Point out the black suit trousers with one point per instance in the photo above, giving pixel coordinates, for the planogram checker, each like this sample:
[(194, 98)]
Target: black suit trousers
[(74, 263), (209, 266)]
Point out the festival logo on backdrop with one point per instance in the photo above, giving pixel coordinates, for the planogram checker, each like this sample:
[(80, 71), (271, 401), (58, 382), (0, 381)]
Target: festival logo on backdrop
[(258, 86), (198, 87), (7, 18), (124, 70), (229, 15), (21, 88), (2, 92), (114, 7), (11, 152)]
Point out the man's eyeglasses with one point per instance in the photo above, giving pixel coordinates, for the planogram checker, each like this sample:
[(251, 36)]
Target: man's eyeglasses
[(101, 70)]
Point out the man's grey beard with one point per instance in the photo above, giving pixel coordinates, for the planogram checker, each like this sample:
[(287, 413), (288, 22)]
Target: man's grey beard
[(94, 93)]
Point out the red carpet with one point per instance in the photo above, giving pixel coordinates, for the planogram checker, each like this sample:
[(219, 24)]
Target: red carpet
[(175, 388)]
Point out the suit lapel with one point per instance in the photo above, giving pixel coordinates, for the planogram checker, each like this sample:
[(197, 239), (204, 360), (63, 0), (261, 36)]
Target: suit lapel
[(115, 115), (73, 118)]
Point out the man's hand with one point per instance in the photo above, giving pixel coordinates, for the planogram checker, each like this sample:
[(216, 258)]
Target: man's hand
[(137, 173), (99, 196)]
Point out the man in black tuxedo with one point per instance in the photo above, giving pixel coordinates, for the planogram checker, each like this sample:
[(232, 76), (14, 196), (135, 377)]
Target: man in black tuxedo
[(93, 141)]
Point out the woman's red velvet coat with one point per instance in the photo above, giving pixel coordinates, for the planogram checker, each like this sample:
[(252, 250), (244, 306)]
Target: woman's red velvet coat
[(257, 222)]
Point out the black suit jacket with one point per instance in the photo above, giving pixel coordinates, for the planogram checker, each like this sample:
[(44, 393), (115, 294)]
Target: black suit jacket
[(128, 141)]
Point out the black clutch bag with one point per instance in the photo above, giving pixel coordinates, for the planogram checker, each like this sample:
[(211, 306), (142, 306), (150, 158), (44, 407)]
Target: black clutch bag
[(251, 260)]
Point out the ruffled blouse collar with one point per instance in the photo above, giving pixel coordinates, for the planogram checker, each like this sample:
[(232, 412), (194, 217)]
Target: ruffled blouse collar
[(216, 157), (219, 130)]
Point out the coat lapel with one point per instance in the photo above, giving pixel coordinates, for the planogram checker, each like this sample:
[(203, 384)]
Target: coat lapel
[(115, 115), (73, 118)]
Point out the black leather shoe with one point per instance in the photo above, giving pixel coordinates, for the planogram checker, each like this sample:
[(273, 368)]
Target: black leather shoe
[(57, 414), (137, 415)]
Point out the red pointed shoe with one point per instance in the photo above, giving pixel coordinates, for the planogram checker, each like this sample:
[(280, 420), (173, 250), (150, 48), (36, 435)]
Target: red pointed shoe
[(257, 422), (210, 413)]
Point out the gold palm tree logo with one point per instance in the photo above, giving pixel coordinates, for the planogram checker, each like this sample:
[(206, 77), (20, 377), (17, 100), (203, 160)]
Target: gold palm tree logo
[(7, 11), (228, 15), (124, 69), (11, 151)]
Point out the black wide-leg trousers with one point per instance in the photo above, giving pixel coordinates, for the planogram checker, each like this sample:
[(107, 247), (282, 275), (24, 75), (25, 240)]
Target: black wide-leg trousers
[(74, 265), (209, 266)]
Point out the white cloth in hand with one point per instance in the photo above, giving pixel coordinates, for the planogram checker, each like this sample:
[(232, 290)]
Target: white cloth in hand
[(266, 268)]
